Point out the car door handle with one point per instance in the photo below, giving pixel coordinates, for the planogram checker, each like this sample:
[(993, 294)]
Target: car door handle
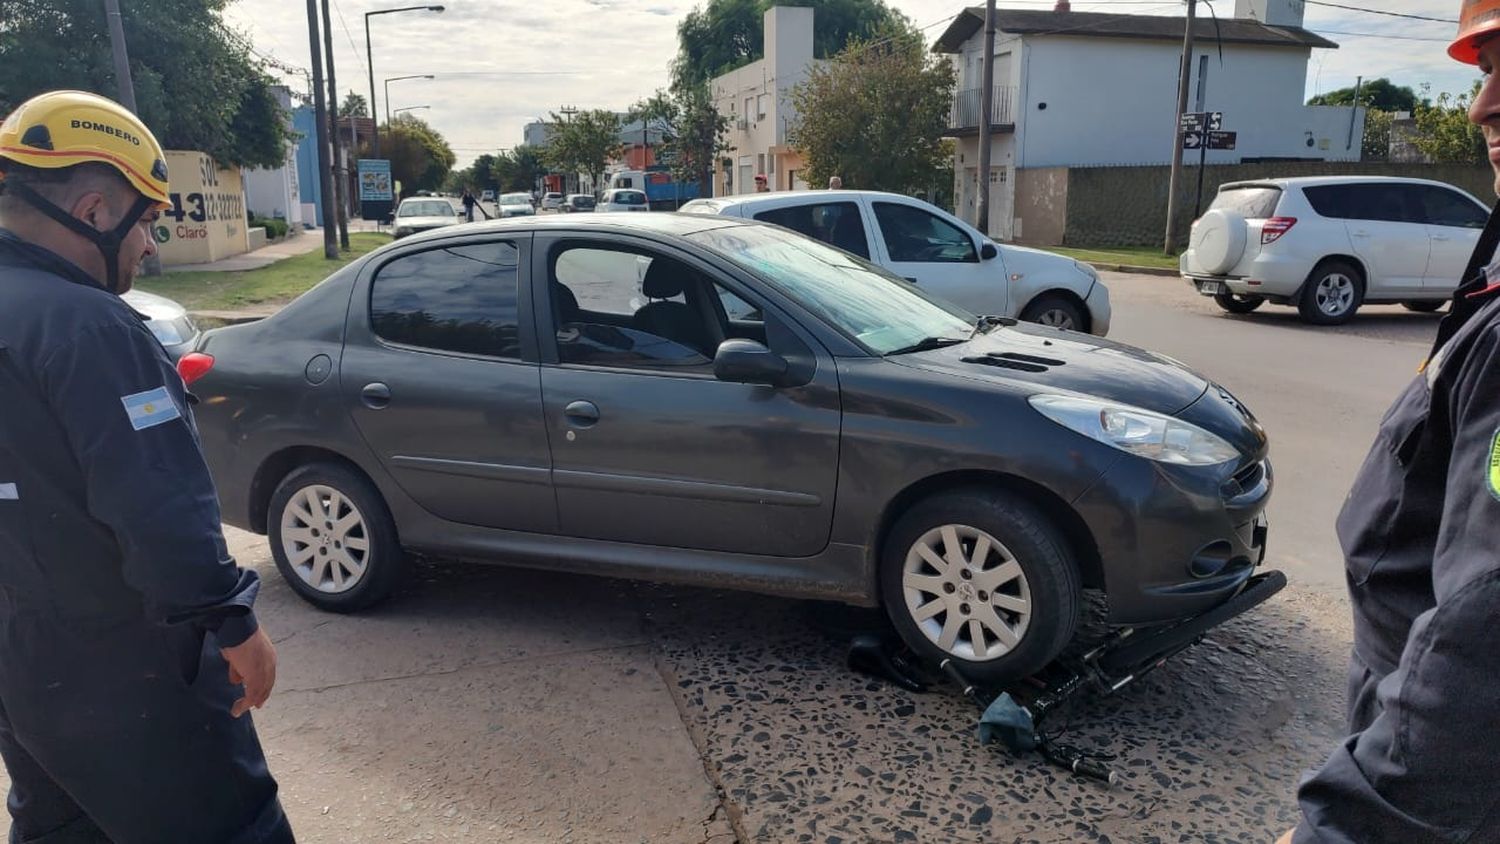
[(912, 279), (1441, 237), (375, 395), (581, 414), (1360, 234)]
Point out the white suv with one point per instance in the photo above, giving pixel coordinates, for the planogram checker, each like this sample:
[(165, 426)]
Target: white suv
[(1331, 244), (936, 251)]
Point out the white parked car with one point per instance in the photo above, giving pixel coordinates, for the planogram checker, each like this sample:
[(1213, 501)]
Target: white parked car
[(938, 252), (167, 320), (552, 201), (425, 213), (623, 199), (1331, 244), (515, 205)]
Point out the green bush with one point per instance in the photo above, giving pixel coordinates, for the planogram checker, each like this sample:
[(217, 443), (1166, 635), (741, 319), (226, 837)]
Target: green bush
[(275, 229)]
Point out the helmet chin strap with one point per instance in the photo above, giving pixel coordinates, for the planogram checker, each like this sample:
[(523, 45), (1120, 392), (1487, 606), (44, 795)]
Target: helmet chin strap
[(107, 242)]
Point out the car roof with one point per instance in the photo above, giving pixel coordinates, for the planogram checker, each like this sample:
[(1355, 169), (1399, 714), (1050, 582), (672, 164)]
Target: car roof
[(1317, 181), (622, 222), (810, 195)]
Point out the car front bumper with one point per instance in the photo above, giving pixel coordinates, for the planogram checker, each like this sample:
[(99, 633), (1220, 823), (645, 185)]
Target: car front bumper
[(1100, 311)]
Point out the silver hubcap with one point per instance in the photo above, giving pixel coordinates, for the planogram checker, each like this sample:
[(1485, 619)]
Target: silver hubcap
[(1057, 318), (966, 592), (1335, 294), (325, 539)]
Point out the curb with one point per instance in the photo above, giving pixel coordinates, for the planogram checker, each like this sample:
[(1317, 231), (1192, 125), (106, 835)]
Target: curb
[(222, 318), (1126, 268)]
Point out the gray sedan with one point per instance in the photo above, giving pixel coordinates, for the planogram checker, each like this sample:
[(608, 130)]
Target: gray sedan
[(725, 402)]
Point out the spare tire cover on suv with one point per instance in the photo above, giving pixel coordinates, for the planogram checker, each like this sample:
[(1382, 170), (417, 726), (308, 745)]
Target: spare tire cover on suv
[(1217, 241)]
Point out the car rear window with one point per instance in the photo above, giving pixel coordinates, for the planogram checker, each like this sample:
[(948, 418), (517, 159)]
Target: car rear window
[(629, 197), (1253, 202), (435, 208)]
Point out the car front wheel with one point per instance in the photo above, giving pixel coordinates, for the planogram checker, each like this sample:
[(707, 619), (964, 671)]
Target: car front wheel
[(1055, 311), (981, 577), (333, 538)]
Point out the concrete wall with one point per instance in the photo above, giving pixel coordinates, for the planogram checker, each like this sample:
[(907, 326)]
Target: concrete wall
[(1127, 206), (207, 218), (1041, 210)]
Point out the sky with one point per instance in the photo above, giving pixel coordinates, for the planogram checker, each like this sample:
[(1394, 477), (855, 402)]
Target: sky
[(499, 64)]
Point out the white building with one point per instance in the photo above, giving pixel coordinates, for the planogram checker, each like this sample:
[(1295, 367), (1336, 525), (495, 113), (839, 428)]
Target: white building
[(275, 194), (1079, 89), (757, 100)]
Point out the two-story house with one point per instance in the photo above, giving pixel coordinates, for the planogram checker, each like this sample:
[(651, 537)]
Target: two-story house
[(1087, 89), (757, 101)]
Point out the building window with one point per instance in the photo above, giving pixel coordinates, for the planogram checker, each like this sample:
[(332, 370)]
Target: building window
[(760, 163), (761, 104)]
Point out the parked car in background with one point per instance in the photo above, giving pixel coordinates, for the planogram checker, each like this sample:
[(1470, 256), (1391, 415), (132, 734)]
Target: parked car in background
[(552, 201), (620, 199), (420, 214), (487, 196), (936, 251), (167, 320), (1328, 245), (578, 202), (489, 392), (515, 205)]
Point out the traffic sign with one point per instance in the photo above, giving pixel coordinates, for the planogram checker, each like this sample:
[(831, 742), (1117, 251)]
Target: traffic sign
[(1222, 140), (1192, 140), (1192, 121), (1215, 120)]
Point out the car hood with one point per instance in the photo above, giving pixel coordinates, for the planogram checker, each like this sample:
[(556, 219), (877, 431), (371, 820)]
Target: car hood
[(153, 306), (425, 222), (1038, 359)]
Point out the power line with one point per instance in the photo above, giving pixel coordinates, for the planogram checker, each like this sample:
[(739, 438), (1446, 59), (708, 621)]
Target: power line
[(1380, 35), (350, 36), (1378, 12)]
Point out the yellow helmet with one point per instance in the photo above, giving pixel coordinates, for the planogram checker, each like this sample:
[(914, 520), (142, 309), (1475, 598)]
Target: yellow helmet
[(65, 128)]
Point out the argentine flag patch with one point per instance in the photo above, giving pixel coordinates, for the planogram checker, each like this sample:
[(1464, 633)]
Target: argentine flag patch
[(151, 408)]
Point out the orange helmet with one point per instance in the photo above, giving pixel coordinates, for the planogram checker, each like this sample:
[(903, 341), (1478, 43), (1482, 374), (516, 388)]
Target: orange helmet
[(1477, 23)]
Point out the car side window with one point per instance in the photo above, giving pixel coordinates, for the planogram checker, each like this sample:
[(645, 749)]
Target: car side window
[(835, 223), (454, 299), (616, 307), (912, 234), (1385, 202), (1443, 207)]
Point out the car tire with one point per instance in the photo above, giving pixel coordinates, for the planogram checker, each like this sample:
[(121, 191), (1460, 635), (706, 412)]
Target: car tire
[(1027, 582), (1055, 311), (362, 545), (1426, 306), (1236, 303), (1332, 294)]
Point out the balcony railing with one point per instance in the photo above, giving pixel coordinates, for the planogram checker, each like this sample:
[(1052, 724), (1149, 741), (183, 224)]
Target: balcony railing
[(966, 105)]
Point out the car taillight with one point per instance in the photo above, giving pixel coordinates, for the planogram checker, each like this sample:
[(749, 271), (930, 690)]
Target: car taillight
[(194, 365), (1275, 228)]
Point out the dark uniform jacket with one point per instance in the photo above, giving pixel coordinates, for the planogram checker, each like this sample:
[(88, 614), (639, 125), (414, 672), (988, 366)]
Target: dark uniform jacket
[(107, 509), (1421, 536)]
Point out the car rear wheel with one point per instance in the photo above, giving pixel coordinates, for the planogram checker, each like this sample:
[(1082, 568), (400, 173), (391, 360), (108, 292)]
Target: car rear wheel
[(1425, 306), (333, 538), (983, 578), (1236, 303), (1055, 311), (1332, 294)]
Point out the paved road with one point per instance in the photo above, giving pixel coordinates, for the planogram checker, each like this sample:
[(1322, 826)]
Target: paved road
[(491, 705)]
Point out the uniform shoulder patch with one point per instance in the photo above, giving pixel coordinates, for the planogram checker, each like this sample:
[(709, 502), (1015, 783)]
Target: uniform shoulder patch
[(151, 408), (1492, 471)]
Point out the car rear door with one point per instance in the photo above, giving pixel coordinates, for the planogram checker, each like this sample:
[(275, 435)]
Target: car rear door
[(1387, 234), (837, 223), (1454, 221), (938, 255), (440, 375)]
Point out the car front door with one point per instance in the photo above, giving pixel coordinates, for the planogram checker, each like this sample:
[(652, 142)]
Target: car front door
[(648, 446), (1454, 222), (939, 256), (440, 376), (1388, 235)]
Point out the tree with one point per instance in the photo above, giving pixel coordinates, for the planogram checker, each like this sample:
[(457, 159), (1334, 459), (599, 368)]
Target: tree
[(519, 169), (354, 106), (584, 144), (692, 131), (420, 157), (875, 115), (197, 84), (1376, 145), (1376, 94), (726, 34), (1445, 135)]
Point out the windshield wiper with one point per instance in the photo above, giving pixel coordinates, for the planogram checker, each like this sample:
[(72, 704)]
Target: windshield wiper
[(927, 344)]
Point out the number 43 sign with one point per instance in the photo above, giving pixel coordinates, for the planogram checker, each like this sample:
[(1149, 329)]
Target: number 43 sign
[(199, 214)]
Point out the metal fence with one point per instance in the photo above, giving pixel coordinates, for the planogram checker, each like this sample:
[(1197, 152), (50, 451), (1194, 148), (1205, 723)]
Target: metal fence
[(966, 105)]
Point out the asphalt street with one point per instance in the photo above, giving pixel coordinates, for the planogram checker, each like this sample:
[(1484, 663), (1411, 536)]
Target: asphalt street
[(485, 704)]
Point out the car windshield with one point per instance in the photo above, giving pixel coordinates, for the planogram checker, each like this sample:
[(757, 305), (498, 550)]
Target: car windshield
[(879, 310), (628, 197), (429, 208), (515, 199), (1253, 202)]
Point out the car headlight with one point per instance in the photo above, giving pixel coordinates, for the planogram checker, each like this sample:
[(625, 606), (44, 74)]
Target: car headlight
[(1143, 433), (1087, 270), (167, 331)]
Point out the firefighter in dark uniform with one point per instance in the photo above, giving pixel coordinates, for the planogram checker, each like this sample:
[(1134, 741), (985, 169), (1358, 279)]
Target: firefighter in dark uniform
[(1421, 536), (129, 654)]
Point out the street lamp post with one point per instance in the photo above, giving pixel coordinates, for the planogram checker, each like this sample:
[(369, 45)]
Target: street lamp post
[(411, 108), (370, 58), (388, 90)]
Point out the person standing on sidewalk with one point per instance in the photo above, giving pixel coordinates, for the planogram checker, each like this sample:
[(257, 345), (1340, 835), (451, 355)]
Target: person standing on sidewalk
[(1420, 533), (129, 653)]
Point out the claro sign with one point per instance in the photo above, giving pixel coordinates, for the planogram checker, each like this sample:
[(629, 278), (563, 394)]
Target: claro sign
[(207, 219)]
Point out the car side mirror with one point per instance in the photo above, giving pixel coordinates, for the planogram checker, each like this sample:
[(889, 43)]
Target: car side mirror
[(748, 362), (988, 251)]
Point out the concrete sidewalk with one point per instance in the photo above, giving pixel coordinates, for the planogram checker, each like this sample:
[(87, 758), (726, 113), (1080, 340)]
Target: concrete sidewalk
[(308, 240)]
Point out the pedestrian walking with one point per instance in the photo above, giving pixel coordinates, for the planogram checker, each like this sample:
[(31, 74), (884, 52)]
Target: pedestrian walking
[(469, 203), (129, 652), (1419, 533)]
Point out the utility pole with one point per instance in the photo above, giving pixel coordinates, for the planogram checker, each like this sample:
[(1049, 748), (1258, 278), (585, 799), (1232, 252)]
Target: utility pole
[(152, 265), (986, 116), (320, 108), (1354, 113), (340, 172), (1182, 98)]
